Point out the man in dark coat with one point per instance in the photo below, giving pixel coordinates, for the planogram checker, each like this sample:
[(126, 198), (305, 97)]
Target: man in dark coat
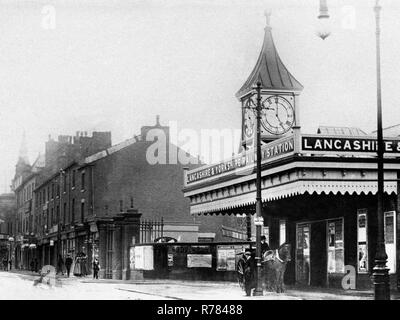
[(60, 264), (96, 268), (68, 264), (264, 245), (249, 271)]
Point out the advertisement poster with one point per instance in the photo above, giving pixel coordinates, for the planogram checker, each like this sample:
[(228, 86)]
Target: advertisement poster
[(228, 256), (144, 259), (199, 260), (170, 260)]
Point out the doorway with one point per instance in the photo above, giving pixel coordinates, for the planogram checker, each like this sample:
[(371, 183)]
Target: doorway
[(318, 263), (303, 233)]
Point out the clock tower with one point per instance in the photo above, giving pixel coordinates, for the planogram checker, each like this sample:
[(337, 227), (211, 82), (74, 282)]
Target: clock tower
[(279, 96)]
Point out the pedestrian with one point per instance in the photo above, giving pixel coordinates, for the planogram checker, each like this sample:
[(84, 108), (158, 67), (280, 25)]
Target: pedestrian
[(96, 268), (60, 264), (36, 265), (10, 263), (32, 265), (83, 261), (264, 245), (68, 264), (249, 271), (5, 263), (77, 266)]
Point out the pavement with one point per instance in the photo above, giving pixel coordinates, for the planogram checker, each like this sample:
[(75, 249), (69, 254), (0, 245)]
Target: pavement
[(19, 285)]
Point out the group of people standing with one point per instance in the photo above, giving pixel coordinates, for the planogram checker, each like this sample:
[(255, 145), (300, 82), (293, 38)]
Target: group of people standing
[(79, 265)]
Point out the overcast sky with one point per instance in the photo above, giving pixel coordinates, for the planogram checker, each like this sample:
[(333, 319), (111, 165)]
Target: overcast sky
[(115, 65)]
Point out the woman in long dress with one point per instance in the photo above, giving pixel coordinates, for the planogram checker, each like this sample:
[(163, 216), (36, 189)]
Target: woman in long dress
[(77, 266)]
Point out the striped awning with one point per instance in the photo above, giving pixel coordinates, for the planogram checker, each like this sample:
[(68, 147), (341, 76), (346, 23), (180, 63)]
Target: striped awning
[(292, 189)]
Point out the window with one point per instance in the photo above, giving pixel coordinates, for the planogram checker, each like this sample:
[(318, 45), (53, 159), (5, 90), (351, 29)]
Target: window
[(335, 246), (52, 191), (73, 211), (131, 202), (82, 210), (64, 213), (121, 205), (362, 241), (58, 214), (65, 183), (73, 178), (390, 239), (282, 231), (58, 189), (52, 216), (83, 181)]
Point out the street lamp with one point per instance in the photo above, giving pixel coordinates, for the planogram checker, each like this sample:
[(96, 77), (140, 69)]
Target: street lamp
[(258, 290), (324, 25), (380, 271), (258, 220)]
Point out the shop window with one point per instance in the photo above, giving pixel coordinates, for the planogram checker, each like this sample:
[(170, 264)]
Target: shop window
[(335, 246), (390, 239), (282, 231), (362, 241)]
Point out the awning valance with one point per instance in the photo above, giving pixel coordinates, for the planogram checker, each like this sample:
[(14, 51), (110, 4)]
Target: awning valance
[(292, 189)]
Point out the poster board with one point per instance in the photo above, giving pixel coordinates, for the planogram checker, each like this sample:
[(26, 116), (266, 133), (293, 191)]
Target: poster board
[(143, 258), (228, 256), (199, 260)]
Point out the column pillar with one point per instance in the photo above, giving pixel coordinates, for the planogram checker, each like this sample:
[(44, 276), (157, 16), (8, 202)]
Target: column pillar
[(102, 250), (131, 234), (117, 250)]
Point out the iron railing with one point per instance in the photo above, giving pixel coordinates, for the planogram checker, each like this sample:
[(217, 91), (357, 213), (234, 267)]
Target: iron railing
[(151, 230)]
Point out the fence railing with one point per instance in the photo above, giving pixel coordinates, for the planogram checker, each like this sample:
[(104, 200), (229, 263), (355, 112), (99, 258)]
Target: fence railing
[(151, 230)]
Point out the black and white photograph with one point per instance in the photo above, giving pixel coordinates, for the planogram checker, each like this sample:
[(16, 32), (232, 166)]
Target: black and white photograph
[(221, 152)]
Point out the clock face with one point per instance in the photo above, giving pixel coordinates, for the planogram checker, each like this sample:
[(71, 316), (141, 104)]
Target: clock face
[(249, 122), (277, 115)]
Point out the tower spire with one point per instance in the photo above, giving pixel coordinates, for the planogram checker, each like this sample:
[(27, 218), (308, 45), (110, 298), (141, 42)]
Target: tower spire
[(269, 69)]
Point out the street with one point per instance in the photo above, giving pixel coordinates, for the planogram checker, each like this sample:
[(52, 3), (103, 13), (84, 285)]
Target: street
[(20, 286)]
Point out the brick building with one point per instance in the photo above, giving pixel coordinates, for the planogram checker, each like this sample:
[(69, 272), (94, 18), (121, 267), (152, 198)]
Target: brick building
[(7, 221)]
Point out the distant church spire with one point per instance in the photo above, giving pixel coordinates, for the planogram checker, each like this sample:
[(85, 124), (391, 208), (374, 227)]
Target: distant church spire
[(23, 151)]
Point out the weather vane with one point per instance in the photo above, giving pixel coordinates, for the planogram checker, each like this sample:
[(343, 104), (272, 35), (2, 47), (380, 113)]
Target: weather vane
[(267, 14)]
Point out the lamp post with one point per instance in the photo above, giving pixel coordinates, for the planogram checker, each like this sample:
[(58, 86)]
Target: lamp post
[(380, 271), (258, 290)]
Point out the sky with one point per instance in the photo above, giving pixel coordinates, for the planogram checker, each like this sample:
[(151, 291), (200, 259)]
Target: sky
[(113, 65)]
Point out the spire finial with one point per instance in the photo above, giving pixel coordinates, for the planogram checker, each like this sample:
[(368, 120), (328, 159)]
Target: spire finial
[(268, 14)]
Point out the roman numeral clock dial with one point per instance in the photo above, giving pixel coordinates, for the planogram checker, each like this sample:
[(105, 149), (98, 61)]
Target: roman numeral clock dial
[(249, 119), (277, 115)]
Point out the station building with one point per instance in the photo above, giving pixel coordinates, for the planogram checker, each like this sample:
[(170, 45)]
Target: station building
[(318, 190)]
